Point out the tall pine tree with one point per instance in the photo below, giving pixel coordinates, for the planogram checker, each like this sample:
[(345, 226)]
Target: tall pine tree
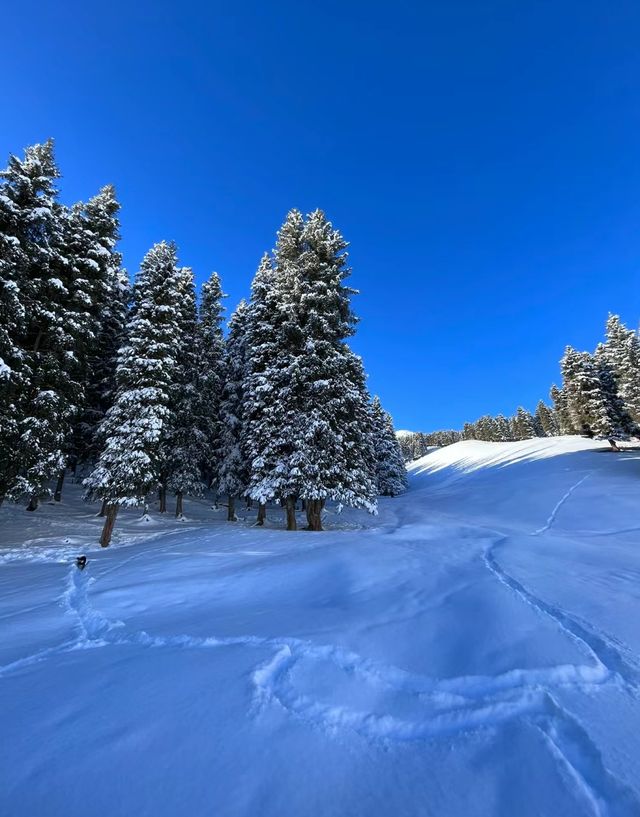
[(42, 407), (211, 375), (133, 428), (185, 442), (233, 465)]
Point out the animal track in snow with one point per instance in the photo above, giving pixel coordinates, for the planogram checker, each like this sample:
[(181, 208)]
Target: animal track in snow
[(552, 516)]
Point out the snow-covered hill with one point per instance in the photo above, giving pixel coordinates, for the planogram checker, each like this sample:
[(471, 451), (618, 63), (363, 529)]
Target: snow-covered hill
[(473, 650)]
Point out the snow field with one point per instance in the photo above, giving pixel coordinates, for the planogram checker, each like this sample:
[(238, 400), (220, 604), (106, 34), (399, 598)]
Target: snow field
[(473, 650)]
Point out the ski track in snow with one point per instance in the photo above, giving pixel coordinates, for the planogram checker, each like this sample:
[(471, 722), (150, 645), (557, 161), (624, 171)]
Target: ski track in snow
[(559, 504), (450, 705)]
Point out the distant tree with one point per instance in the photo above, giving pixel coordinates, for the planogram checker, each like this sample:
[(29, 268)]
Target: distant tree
[(391, 474), (546, 422), (560, 401), (503, 429), (468, 432), (523, 425)]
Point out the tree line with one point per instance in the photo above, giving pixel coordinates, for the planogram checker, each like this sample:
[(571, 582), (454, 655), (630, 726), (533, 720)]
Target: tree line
[(139, 386), (599, 397)]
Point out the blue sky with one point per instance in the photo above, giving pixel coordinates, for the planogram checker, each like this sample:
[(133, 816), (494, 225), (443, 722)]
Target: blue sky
[(483, 160)]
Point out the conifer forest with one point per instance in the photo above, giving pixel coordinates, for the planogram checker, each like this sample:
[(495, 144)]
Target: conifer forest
[(136, 388)]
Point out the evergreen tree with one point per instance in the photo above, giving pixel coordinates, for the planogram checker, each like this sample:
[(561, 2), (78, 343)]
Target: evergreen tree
[(133, 428), (332, 456), (561, 405), (184, 439), (622, 355), (306, 389), (617, 421), (391, 474), (592, 401), (43, 402), (13, 264), (269, 416), (468, 432), (546, 421), (523, 425), (211, 350), (233, 467), (503, 429), (109, 294)]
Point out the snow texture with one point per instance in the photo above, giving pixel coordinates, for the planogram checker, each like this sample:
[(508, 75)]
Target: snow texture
[(473, 650)]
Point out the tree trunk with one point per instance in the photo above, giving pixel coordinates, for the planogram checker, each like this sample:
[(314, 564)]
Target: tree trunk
[(1, 499), (179, 505), (38, 340), (103, 509), (57, 496), (33, 503), (262, 513), (109, 522), (231, 509), (291, 513), (314, 513), (162, 494), (249, 503)]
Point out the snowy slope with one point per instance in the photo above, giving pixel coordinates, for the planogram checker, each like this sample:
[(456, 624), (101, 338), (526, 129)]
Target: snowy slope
[(473, 650)]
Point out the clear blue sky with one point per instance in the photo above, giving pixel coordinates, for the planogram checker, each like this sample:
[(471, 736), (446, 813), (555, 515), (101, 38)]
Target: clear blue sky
[(483, 159)]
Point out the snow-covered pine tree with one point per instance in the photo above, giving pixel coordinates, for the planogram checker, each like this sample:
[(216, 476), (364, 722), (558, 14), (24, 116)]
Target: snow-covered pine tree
[(391, 474), (13, 263), (622, 354), (98, 262), (133, 428), (269, 413), (210, 381), (47, 396), (561, 406), (185, 439), (546, 421), (486, 428), (181, 448), (332, 455), (503, 429), (523, 425), (468, 432), (592, 401), (618, 421), (234, 472), (308, 419)]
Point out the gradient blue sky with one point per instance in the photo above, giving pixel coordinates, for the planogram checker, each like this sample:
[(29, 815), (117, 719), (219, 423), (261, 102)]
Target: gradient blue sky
[(482, 158)]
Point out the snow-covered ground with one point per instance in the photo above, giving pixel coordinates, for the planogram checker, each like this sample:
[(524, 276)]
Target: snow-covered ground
[(473, 650)]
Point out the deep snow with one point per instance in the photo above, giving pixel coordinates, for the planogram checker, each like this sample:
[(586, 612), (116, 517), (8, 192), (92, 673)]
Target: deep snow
[(473, 650)]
